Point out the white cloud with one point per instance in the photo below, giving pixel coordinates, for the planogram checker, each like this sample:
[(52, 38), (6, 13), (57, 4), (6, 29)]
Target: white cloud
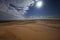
[(18, 3)]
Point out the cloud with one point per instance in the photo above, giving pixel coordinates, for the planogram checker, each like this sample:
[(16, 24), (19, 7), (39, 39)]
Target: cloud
[(43, 17), (17, 8)]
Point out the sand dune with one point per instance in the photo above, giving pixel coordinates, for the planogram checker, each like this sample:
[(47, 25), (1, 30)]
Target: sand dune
[(30, 30)]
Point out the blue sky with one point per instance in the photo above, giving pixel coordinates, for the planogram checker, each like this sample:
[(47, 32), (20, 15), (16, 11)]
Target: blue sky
[(9, 10), (49, 8)]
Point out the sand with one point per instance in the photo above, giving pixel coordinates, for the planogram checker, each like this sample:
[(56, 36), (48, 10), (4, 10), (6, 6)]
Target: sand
[(30, 30)]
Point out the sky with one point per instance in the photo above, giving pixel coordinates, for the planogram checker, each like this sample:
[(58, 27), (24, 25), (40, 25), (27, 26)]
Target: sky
[(25, 9)]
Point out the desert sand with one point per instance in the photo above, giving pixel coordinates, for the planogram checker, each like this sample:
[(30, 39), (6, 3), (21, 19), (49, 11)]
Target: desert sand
[(30, 30)]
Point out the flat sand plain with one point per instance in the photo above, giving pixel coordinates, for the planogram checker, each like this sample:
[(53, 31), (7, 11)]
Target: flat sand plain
[(30, 30)]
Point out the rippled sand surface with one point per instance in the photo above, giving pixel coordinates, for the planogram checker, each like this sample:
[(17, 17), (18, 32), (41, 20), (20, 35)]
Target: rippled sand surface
[(30, 30)]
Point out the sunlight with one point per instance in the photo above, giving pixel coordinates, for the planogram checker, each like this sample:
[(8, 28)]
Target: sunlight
[(39, 4)]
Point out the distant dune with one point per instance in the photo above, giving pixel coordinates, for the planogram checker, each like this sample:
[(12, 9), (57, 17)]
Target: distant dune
[(42, 29)]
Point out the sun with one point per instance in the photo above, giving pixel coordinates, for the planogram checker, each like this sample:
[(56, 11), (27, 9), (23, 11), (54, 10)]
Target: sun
[(39, 4)]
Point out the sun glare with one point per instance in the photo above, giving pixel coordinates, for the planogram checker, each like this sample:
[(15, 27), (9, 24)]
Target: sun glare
[(39, 4)]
